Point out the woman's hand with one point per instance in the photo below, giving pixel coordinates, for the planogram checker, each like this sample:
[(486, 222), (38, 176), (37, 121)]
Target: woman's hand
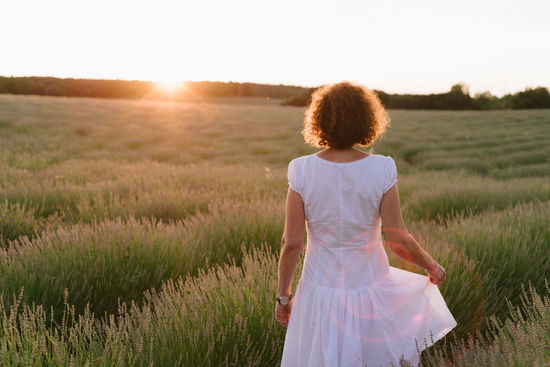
[(282, 313), (436, 274)]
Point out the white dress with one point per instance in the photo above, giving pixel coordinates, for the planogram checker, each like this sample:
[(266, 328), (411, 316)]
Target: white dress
[(351, 308)]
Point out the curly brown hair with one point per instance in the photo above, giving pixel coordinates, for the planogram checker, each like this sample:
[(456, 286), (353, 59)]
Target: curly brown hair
[(342, 115)]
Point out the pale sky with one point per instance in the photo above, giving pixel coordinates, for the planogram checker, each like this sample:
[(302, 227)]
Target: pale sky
[(399, 46)]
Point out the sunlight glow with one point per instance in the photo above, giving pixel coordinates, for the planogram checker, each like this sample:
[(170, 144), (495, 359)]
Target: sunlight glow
[(170, 86)]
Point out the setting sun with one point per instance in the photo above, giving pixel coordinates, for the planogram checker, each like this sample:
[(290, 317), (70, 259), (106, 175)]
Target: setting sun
[(170, 85)]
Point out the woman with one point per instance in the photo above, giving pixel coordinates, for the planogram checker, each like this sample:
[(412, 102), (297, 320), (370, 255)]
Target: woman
[(350, 307)]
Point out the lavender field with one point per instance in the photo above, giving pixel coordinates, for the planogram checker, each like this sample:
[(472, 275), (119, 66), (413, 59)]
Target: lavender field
[(142, 233)]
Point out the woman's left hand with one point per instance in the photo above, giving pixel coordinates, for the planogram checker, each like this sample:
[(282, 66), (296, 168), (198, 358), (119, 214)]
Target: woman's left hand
[(282, 313)]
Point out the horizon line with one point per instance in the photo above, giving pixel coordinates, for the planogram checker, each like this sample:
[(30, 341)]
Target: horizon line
[(263, 83)]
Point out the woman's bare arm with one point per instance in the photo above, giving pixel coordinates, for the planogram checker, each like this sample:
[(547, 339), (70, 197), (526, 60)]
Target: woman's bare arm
[(292, 242), (398, 238)]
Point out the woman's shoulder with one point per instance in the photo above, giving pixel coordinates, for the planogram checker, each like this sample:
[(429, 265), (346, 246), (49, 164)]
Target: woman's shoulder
[(293, 162), (300, 159), (381, 156), (386, 158), (388, 164)]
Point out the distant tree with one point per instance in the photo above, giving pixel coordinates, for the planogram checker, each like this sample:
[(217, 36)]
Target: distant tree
[(486, 101), (244, 90), (531, 98), (459, 98), (299, 99), (460, 88), (383, 96)]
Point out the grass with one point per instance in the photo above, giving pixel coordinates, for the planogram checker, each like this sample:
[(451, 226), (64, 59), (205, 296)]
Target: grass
[(521, 339), (224, 316), (440, 196), (19, 220), (143, 233), (105, 261)]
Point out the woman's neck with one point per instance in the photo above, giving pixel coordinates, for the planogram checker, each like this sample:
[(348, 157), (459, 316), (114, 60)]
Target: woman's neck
[(341, 155)]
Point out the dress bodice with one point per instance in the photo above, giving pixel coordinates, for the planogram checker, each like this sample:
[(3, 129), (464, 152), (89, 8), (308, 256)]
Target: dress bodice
[(341, 204)]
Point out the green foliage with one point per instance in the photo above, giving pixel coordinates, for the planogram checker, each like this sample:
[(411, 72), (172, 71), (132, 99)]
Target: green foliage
[(303, 98), (18, 220), (441, 198), (133, 228), (486, 101), (113, 259), (458, 98), (529, 98), (224, 316), (522, 339)]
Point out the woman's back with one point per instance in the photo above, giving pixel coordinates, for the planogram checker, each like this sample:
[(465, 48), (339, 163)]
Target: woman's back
[(351, 307), (341, 204)]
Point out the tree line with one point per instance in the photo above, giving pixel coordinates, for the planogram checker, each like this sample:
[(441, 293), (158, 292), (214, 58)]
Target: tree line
[(458, 98), (107, 88)]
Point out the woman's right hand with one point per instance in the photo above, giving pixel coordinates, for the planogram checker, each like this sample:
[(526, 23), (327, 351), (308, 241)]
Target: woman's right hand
[(436, 274)]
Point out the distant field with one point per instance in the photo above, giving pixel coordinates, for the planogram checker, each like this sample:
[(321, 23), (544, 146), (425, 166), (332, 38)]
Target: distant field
[(150, 230)]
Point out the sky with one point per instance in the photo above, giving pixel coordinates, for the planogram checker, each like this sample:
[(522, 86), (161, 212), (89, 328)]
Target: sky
[(399, 46)]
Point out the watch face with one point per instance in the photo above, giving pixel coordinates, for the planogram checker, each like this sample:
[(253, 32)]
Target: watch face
[(284, 300)]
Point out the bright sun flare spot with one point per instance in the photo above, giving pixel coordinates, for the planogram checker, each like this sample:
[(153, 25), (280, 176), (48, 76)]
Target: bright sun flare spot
[(169, 85)]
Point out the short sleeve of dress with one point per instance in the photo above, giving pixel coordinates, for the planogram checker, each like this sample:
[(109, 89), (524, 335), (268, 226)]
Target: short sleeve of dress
[(391, 174), (294, 178)]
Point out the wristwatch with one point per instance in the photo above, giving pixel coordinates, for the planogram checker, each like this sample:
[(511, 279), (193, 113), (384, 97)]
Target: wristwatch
[(284, 300)]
